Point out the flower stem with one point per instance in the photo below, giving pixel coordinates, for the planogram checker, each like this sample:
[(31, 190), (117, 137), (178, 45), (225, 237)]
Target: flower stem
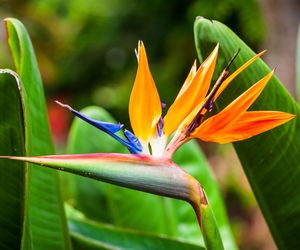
[(206, 220)]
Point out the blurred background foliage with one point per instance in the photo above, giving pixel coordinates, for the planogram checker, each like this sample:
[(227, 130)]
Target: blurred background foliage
[(86, 48), (86, 55)]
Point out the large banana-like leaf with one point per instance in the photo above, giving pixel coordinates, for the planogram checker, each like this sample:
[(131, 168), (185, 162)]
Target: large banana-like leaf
[(12, 174), (87, 234), (118, 206), (270, 160), (90, 235), (45, 225)]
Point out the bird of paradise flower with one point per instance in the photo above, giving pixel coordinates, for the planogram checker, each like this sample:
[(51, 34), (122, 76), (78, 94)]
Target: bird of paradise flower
[(186, 116), (149, 166)]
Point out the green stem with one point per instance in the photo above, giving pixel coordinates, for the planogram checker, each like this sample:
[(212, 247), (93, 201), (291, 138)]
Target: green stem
[(206, 220)]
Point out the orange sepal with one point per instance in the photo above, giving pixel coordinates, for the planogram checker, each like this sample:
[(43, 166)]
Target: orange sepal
[(188, 80), (236, 108), (191, 94), (249, 124), (230, 78), (144, 103)]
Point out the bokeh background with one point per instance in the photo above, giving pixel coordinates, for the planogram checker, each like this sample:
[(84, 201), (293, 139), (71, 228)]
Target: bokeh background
[(85, 49)]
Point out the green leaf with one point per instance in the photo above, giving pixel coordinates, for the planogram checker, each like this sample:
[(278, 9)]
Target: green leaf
[(270, 160), (12, 174), (87, 234), (118, 206), (81, 242), (45, 225)]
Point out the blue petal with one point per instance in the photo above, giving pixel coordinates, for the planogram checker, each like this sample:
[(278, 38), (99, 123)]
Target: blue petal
[(104, 126), (133, 140), (133, 144)]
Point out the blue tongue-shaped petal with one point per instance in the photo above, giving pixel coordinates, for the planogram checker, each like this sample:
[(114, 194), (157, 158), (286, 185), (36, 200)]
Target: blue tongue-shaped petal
[(133, 140), (104, 126), (133, 144)]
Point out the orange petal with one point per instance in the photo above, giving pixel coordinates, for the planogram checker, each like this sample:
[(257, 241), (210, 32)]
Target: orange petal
[(249, 124), (220, 90), (187, 121), (236, 108), (188, 80), (235, 73), (191, 94), (144, 103)]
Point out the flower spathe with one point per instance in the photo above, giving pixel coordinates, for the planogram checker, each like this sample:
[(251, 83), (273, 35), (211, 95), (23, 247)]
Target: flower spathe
[(187, 115)]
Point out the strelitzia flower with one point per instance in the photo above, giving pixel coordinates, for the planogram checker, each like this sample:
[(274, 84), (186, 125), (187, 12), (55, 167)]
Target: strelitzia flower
[(187, 116), (156, 137)]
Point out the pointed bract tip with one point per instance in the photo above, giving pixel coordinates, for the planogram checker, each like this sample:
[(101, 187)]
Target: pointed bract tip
[(11, 157)]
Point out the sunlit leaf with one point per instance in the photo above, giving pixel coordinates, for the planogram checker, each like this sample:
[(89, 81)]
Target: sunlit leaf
[(270, 160), (45, 226), (87, 234)]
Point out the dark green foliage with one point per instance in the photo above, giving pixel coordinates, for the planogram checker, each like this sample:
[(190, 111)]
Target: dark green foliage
[(12, 174), (45, 225), (270, 160)]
